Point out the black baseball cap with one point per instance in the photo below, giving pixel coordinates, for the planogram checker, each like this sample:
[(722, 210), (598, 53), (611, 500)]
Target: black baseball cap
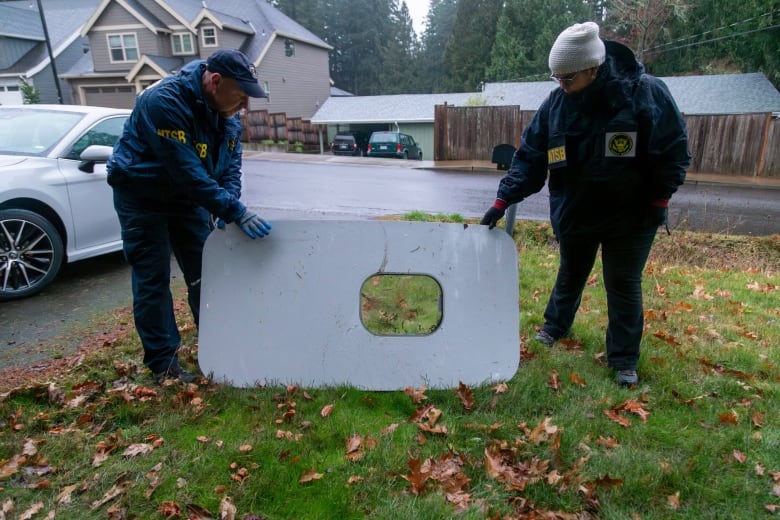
[(233, 63)]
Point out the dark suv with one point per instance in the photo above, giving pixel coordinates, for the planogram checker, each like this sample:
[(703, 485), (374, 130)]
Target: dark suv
[(352, 143), (393, 144)]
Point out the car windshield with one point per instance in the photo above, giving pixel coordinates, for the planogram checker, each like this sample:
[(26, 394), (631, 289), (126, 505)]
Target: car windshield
[(33, 132), (384, 136)]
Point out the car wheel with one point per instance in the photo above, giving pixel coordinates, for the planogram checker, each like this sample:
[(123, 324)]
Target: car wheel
[(420, 157), (406, 155), (31, 253)]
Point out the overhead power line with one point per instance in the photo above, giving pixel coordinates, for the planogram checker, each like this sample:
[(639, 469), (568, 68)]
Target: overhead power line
[(693, 44), (663, 47)]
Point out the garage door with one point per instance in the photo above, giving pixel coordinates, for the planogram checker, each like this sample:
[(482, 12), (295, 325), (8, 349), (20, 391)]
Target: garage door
[(11, 95), (114, 97)]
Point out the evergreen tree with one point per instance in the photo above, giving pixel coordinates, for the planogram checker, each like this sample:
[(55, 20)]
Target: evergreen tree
[(468, 51), (438, 31), (716, 38), (306, 12), (526, 31), (400, 67)]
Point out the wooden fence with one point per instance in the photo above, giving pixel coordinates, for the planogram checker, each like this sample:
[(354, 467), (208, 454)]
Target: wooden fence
[(259, 126), (740, 144)]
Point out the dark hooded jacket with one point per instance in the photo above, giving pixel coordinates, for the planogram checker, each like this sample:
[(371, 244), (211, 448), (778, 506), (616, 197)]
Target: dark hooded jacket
[(177, 150), (611, 150)]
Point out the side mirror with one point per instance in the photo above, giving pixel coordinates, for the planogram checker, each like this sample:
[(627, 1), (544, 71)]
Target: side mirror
[(94, 154)]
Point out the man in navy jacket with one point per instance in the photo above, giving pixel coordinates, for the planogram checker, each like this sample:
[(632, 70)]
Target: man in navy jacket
[(616, 149), (177, 164)]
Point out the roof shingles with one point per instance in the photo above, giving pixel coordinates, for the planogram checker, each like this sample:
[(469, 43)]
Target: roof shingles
[(695, 95)]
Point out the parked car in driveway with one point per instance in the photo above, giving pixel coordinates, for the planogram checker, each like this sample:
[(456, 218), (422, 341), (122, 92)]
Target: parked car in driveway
[(55, 204), (394, 144), (352, 143)]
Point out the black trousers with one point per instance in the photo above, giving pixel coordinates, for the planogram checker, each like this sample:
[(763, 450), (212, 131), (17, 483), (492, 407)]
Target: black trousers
[(623, 260), (153, 228)]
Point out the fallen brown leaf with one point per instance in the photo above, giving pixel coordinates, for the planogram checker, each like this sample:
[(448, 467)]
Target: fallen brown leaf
[(674, 501), (310, 475), (326, 410), (466, 396)]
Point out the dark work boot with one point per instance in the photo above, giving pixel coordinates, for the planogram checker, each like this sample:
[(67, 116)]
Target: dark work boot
[(175, 372), (544, 337), (627, 378)]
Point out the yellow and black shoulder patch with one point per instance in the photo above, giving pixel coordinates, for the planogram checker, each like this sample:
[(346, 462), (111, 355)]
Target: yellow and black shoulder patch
[(556, 156), (620, 144)]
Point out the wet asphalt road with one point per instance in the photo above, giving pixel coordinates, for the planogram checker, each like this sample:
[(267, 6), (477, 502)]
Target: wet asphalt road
[(51, 323)]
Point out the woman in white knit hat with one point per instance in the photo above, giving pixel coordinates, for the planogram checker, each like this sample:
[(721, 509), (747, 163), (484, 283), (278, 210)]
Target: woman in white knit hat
[(615, 146)]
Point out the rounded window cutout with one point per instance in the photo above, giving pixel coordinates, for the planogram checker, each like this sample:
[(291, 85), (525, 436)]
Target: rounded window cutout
[(401, 304)]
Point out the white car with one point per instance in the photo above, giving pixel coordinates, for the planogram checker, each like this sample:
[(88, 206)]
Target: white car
[(55, 204)]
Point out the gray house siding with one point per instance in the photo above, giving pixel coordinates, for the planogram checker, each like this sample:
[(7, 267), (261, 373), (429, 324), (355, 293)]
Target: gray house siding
[(116, 19), (290, 80), (44, 80), (226, 40), (12, 49), (161, 14), (205, 52)]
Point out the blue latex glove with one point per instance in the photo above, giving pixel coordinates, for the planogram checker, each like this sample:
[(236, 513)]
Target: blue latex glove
[(253, 225)]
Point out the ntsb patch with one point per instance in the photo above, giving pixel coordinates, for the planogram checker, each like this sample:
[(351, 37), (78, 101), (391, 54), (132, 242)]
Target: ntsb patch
[(556, 157), (620, 144)]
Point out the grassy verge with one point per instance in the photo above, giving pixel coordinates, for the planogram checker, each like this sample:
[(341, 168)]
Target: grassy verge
[(699, 438)]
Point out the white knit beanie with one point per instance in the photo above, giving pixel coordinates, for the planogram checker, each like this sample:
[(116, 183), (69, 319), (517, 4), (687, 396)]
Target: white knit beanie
[(577, 48)]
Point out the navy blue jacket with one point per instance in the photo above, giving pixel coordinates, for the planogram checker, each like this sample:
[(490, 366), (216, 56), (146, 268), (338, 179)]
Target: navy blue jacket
[(611, 150), (176, 146)]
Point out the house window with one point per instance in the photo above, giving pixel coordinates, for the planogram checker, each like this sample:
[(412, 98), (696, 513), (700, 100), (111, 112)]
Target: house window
[(182, 43), (267, 90), (289, 48), (209, 35), (122, 47)]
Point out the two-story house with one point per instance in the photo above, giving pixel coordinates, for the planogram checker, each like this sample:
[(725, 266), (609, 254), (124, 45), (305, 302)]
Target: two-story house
[(24, 54), (106, 51)]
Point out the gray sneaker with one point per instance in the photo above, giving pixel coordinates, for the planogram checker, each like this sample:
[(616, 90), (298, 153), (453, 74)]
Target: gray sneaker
[(544, 337), (627, 377), (175, 372)]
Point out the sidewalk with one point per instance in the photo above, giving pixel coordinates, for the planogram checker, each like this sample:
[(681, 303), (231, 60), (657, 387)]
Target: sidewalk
[(488, 167)]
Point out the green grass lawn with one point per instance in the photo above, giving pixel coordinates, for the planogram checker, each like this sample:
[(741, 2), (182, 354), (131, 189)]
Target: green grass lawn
[(697, 439)]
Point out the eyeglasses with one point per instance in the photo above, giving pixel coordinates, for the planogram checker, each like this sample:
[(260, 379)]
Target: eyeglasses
[(567, 79)]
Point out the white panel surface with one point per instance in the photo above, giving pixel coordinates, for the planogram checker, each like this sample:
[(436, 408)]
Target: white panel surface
[(285, 309)]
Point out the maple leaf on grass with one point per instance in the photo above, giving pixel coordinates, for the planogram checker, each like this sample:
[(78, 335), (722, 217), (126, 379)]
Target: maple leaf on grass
[(674, 501), (137, 449), (354, 447), (418, 475), (169, 509), (553, 382), (309, 475), (114, 491), (326, 410), (417, 395), (575, 379), (466, 396), (542, 432)]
